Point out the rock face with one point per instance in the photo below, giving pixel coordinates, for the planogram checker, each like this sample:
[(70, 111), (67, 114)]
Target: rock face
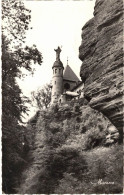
[(101, 53)]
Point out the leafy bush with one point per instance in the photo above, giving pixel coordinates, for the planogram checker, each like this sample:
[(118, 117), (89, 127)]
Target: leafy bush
[(106, 164), (103, 164), (69, 154), (68, 184), (93, 138)]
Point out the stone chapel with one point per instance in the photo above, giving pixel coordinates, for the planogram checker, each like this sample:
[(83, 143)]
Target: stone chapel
[(65, 84)]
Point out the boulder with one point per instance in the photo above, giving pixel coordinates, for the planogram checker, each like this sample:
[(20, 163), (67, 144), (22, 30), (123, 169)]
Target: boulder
[(112, 129), (101, 53)]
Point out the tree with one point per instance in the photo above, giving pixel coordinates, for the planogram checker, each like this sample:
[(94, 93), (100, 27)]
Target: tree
[(15, 21), (42, 96), (15, 56)]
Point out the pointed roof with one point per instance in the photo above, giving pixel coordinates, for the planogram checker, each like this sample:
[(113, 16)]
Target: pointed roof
[(69, 74)]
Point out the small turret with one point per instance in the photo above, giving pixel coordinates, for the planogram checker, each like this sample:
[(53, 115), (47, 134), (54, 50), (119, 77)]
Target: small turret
[(57, 80)]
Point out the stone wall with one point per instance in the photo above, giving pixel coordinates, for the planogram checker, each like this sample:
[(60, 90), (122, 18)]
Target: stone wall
[(101, 53)]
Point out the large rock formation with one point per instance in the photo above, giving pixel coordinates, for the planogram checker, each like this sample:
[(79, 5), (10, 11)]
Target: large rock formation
[(101, 52)]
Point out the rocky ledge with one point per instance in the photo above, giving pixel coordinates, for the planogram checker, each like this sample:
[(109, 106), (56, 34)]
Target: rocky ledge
[(101, 53)]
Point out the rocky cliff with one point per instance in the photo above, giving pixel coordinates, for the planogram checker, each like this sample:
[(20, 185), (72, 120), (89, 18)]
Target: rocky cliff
[(101, 54)]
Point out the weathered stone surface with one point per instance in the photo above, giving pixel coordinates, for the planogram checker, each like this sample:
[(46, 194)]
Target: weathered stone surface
[(101, 52), (112, 136)]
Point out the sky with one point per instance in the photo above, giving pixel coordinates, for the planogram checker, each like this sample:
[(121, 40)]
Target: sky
[(55, 23)]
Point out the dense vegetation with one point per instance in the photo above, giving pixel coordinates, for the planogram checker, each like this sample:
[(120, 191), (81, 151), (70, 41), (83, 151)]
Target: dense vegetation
[(70, 153), (15, 56)]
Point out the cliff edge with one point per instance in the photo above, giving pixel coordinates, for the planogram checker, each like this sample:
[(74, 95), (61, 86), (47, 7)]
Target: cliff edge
[(101, 53)]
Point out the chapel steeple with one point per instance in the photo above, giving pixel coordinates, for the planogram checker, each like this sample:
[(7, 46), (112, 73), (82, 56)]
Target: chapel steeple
[(67, 60), (57, 80)]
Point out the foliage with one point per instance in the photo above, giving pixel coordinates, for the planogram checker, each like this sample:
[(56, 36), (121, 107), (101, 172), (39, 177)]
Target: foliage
[(15, 21), (103, 164), (93, 138), (14, 57), (42, 96), (67, 160)]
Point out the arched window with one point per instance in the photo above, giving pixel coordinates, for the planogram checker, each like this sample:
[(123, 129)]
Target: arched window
[(55, 82), (55, 70), (66, 86), (59, 70)]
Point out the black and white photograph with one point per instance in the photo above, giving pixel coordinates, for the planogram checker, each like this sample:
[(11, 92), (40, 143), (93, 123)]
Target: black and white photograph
[(62, 97)]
